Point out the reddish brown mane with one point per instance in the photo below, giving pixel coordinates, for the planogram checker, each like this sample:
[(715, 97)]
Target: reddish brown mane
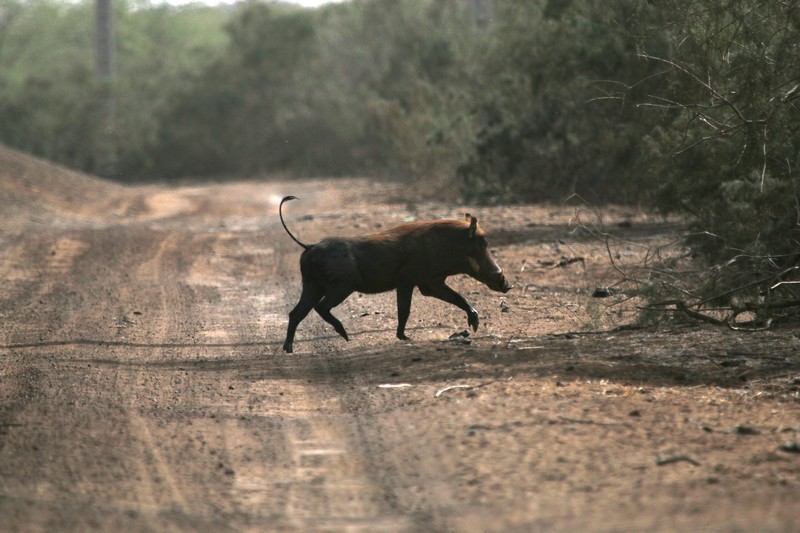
[(420, 227)]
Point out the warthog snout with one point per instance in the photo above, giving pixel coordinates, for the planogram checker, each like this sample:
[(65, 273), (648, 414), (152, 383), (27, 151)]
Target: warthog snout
[(496, 281), (500, 283)]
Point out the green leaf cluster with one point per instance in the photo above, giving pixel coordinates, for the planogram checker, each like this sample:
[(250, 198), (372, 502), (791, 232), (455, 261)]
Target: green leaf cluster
[(49, 94), (726, 151)]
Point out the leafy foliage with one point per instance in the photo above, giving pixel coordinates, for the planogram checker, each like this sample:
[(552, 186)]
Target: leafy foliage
[(44, 104), (234, 118), (48, 91), (731, 91), (547, 125), (723, 151)]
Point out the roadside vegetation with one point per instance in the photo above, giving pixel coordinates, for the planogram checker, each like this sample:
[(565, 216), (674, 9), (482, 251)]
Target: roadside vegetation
[(684, 106)]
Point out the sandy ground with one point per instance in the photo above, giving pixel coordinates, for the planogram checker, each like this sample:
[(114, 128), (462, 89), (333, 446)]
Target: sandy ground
[(143, 386)]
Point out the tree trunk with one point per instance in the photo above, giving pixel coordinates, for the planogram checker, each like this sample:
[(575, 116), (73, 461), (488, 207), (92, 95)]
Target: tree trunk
[(105, 141)]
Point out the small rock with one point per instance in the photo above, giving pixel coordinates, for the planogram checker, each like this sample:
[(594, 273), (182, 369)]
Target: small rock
[(604, 292), (790, 446), (746, 430), (460, 338)]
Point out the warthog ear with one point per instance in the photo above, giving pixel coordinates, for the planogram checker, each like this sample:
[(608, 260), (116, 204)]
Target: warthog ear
[(473, 225)]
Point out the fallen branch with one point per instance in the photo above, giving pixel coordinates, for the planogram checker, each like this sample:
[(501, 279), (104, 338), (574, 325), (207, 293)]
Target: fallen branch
[(661, 461), (590, 421), (462, 386), (452, 387), (568, 261), (681, 306), (734, 312), (746, 286)]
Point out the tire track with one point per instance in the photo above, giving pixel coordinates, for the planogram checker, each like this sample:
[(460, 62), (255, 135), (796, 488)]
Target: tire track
[(331, 489), (155, 471)]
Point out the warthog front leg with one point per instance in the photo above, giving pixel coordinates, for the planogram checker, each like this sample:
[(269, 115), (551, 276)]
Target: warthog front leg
[(440, 290)]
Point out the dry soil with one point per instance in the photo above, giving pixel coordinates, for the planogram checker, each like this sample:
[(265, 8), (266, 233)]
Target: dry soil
[(143, 386)]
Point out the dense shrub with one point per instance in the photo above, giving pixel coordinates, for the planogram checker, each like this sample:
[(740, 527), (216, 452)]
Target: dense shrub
[(548, 115), (728, 154)]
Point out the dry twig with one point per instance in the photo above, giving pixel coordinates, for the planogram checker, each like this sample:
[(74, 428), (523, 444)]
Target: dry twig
[(661, 461)]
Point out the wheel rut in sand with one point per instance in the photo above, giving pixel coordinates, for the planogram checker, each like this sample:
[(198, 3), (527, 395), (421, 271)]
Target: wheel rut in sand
[(160, 488), (312, 474), (331, 488)]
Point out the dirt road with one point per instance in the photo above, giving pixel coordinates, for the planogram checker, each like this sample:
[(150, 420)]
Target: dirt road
[(142, 385)]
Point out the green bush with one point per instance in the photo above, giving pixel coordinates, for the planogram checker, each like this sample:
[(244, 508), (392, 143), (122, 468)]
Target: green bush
[(48, 92), (728, 153), (549, 118)]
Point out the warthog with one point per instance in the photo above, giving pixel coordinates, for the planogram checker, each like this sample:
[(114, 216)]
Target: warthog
[(419, 254)]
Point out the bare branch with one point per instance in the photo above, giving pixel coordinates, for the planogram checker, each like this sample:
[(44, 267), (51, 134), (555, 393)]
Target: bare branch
[(707, 85)]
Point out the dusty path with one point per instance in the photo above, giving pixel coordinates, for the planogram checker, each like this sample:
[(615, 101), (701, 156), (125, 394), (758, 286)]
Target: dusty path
[(142, 386)]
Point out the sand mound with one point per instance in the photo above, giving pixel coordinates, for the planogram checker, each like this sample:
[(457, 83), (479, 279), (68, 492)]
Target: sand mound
[(34, 188)]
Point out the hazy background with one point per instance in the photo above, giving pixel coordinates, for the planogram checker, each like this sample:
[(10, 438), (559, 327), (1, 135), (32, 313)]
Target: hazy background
[(302, 3), (680, 105)]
